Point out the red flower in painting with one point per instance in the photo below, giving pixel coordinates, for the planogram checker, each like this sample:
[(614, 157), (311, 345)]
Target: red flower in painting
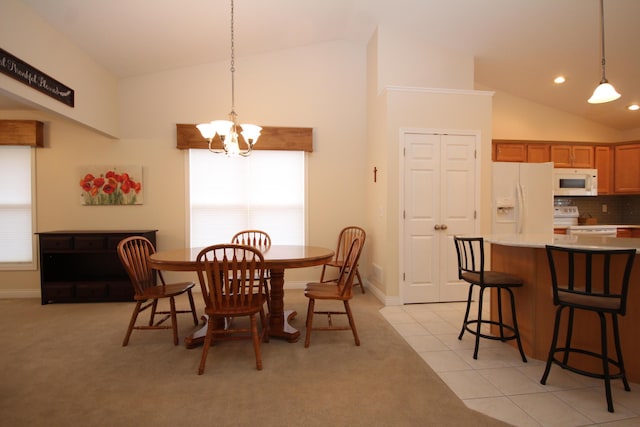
[(110, 186), (126, 186), (86, 182)]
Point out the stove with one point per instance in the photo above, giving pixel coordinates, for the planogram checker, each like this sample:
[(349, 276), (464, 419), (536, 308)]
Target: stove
[(565, 215)]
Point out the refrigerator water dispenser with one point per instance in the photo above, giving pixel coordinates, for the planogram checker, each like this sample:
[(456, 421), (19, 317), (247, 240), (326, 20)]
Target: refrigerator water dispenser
[(505, 209)]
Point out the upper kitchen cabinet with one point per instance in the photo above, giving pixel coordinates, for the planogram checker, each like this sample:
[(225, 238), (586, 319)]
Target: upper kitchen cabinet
[(538, 153), (572, 156), (509, 151), (603, 162), (513, 151), (626, 176)]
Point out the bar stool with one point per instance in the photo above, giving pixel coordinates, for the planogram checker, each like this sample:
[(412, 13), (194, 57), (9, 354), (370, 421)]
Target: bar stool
[(595, 281), (470, 252)]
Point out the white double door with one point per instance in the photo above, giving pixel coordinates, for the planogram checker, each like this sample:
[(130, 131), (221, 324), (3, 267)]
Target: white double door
[(440, 201)]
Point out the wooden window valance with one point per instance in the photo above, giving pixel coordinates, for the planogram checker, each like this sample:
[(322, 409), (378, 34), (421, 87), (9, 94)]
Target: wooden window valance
[(22, 132), (271, 138)]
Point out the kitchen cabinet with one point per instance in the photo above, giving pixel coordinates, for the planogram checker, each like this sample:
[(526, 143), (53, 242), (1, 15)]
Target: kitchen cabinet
[(83, 266), (510, 152), (628, 232), (572, 156), (626, 174), (603, 162), (538, 153)]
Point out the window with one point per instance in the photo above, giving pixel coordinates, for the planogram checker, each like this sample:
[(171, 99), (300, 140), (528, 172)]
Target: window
[(265, 191), (17, 217)]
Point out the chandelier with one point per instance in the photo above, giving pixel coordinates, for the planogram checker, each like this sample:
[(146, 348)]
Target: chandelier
[(227, 130), (605, 92)]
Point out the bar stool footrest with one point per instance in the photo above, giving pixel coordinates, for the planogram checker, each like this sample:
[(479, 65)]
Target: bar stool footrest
[(491, 337), (617, 375)]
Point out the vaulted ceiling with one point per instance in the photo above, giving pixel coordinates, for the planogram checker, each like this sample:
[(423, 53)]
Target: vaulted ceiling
[(519, 46)]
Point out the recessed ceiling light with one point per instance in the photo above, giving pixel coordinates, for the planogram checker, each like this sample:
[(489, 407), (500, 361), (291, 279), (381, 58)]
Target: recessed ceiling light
[(634, 107), (559, 80)]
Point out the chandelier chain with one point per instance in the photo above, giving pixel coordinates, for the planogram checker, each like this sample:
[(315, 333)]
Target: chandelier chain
[(233, 68)]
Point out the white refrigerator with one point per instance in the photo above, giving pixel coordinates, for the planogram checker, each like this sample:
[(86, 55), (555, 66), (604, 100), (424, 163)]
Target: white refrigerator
[(522, 198)]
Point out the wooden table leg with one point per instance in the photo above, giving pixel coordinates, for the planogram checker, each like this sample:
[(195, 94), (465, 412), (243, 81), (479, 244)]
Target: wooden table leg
[(279, 318)]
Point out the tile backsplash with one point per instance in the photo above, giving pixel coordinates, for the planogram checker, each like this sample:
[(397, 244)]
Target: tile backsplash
[(621, 210)]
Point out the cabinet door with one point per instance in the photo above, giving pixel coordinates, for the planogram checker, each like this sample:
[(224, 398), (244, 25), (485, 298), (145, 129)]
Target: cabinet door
[(582, 156), (623, 232), (603, 162), (561, 156), (538, 153), (510, 152), (626, 178)]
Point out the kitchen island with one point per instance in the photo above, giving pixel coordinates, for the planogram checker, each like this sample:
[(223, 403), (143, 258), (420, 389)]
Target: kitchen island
[(525, 256)]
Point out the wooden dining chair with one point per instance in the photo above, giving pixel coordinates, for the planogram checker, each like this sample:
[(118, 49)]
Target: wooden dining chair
[(340, 290), (134, 254), (232, 279), (345, 238), (261, 240)]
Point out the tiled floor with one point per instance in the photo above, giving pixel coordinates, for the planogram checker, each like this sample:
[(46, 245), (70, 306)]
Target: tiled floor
[(499, 384)]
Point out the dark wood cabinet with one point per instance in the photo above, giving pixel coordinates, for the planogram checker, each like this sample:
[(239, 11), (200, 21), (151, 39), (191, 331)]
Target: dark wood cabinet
[(83, 266)]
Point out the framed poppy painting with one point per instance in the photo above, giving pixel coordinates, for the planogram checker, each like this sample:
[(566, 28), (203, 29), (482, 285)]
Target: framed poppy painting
[(111, 185)]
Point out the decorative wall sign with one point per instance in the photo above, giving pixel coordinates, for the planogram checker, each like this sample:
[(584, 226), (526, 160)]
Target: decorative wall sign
[(32, 77), (111, 185)]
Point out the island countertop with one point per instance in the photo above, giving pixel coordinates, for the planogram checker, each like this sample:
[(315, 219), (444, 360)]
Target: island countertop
[(577, 241)]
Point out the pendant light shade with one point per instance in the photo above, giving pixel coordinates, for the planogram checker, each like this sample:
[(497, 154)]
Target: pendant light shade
[(605, 92)]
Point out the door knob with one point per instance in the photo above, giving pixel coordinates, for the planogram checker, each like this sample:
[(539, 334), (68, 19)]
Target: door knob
[(436, 227), (443, 227)]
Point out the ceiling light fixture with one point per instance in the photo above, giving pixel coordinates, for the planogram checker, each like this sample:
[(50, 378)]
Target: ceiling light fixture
[(559, 80), (605, 92), (227, 130), (634, 107)]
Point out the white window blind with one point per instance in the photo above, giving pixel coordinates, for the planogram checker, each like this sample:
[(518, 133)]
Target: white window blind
[(265, 191), (16, 219)]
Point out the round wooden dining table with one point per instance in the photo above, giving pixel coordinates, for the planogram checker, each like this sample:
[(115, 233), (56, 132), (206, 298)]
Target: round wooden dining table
[(277, 258)]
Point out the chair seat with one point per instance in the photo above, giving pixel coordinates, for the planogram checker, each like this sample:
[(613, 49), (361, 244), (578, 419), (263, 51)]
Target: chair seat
[(589, 302), (320, 286), (492, 279), (325, 291), (165, 291)]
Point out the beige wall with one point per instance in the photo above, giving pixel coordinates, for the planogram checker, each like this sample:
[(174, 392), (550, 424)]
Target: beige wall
[(517, 118), (28, 37)]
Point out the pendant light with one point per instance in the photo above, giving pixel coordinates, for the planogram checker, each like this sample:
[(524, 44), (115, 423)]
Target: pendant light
[(605, 92)]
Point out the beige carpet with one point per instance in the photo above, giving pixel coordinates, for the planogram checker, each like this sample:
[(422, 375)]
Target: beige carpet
[(63, 365)]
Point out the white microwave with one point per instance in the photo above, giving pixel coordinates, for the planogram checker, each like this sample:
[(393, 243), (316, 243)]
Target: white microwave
[(575, 182)]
